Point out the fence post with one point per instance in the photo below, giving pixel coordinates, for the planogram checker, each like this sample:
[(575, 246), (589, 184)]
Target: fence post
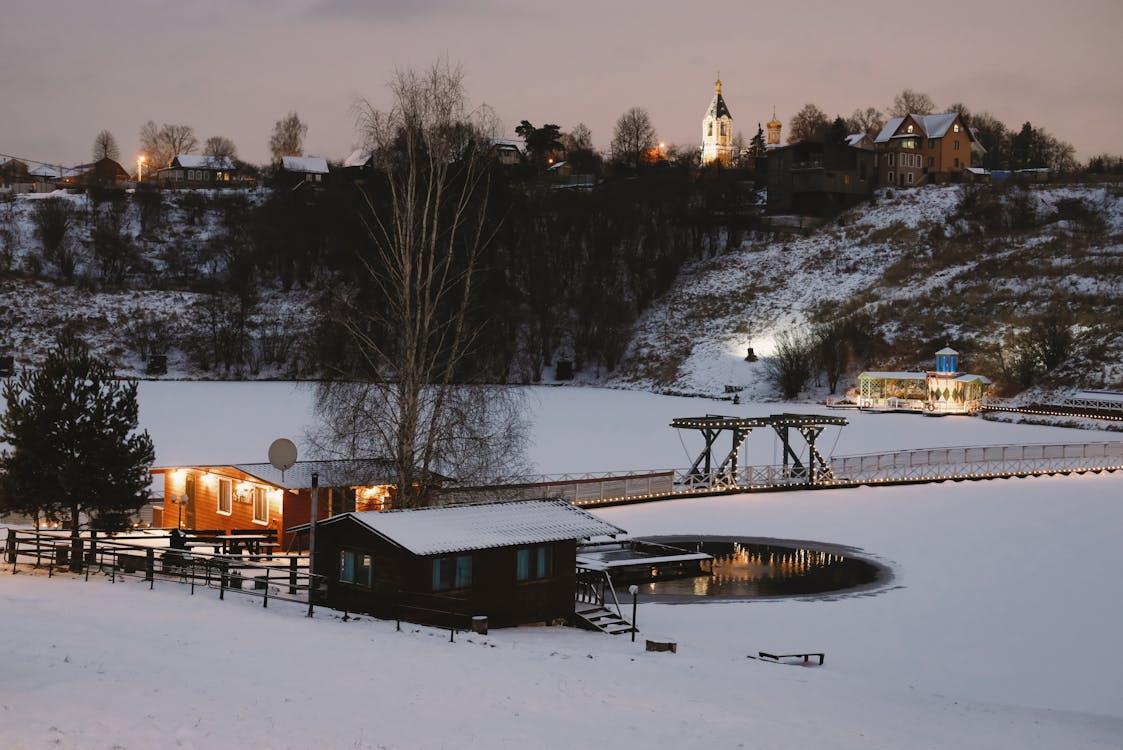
[(113, 571), (292, 576), (150, 568), (265, 599), (192, 576), (10, 548), (222, 568)]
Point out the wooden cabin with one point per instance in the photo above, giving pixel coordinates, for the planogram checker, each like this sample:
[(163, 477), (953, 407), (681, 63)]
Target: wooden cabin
[(246, 496), (513, 562)]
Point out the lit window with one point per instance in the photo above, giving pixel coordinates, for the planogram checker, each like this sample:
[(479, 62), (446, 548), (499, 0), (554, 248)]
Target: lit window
[(354, 567), (225, 497), (955, 127), (910, 128), (452, 573), (260, 505)]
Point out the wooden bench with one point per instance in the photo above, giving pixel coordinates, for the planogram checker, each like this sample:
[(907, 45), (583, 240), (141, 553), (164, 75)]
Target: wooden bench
[(806, 657)]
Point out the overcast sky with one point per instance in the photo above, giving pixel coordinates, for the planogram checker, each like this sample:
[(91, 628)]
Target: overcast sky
[(69, 68)]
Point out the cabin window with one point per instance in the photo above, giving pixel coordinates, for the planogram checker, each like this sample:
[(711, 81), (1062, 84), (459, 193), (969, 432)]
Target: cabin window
[(225, 497), (910, 128), (354, 567), (532, 563), (452, 573), (260, 505), (955, 127)]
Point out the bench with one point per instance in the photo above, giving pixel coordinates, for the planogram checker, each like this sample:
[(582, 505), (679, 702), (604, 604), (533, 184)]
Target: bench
[(805, 657)]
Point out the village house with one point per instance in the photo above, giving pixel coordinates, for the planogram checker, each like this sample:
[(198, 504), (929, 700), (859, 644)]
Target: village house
[(199, 171), (918, 149), (819, 179), (513, 562), (302, 171), (257, 495)]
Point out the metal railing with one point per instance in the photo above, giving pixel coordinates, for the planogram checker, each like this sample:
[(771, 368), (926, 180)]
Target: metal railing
[(593, 587)]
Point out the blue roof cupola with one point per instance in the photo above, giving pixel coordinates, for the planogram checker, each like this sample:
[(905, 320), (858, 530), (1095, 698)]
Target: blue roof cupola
[(947, 360)]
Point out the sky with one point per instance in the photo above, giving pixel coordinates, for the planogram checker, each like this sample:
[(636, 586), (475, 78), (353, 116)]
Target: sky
[(70, 68)]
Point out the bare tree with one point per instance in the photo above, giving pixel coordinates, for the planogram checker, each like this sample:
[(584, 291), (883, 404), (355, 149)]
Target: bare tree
[(868, 121), (160, 145), (634, 137), (809, 124), (793, 362), (105, 147), (579, 138), (288, 137), (220, 147), (962, 110), (910, 102), (409, 318)]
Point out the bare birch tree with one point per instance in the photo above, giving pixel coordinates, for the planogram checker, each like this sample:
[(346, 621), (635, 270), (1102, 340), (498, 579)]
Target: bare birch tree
[(410, 318)]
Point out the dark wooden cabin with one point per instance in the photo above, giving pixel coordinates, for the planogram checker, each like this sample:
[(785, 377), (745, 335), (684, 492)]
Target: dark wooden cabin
[(513, 562)]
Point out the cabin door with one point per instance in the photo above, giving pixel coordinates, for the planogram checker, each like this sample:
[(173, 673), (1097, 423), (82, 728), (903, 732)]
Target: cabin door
[(189, 510)]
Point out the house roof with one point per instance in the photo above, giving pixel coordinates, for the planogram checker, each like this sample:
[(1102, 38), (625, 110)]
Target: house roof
[(339, 473), (306, 164), (507, 144), (199, 161), (946, 350), (45, 170), (358, 158), (458, 528), (969, 377), (931, 126), (889, 375)]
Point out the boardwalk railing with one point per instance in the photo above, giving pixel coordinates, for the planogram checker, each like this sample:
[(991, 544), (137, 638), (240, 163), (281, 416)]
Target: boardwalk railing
[(976, 462)]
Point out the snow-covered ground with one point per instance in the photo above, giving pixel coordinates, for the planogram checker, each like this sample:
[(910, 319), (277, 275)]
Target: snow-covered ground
[(999, 628)]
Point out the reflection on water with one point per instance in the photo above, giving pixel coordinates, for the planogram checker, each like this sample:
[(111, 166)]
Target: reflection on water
[(754, 570)]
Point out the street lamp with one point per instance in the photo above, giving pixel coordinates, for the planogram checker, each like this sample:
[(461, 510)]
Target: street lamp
[(633, 590), (140, 168)]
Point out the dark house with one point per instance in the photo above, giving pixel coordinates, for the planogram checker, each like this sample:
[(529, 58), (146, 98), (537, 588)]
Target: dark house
[(102, 173), (302, 172), (513, 562), (820, 179), (201, 171)]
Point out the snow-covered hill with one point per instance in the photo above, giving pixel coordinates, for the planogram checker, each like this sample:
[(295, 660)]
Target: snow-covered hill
[(921, 263)]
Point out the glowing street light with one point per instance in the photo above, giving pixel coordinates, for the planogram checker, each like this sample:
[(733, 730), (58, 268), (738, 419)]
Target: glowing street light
[(140, 168)]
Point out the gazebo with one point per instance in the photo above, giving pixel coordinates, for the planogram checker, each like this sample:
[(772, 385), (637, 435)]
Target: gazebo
[(944, 390)]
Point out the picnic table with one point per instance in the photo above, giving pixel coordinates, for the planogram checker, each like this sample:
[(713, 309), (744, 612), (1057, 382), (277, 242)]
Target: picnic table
[(252, 543)]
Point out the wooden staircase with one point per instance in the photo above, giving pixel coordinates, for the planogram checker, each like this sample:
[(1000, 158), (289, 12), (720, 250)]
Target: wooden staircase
[(591, 606), (599, 618)]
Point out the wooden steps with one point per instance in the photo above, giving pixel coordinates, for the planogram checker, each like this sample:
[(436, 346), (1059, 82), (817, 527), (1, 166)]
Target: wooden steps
[(593, 617)]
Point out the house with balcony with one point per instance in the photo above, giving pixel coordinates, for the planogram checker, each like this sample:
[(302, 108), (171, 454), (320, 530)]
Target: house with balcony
[(820, 178)]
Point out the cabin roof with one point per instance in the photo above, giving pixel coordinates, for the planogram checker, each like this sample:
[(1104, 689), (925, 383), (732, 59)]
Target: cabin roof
[(458, 528), (890, 375), (338, 473), (306, 164), (202, 161)]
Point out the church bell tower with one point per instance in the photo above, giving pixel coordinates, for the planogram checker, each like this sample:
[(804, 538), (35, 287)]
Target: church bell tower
[(717, 131)]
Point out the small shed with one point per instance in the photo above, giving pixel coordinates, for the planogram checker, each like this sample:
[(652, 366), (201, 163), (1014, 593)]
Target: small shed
[(513, 562)]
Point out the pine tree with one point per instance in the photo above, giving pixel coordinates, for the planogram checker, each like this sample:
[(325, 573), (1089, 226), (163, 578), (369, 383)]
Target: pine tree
[(75, 450), (757, 145)]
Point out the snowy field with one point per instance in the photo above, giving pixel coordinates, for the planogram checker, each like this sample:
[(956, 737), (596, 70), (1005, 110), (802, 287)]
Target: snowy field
[(999, 628)]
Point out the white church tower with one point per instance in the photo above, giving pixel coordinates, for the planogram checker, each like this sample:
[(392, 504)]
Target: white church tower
[(717, 131)]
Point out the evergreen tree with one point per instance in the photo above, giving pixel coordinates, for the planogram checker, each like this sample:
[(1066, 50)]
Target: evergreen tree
[(75, 450), (757, 146), (838, 132)]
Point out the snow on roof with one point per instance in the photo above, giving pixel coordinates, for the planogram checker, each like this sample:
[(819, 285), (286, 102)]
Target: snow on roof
[(358, 158), (854, 139), (890, 375), (340, 473), (509, 143), (969, 377), (978, 170), (946, 350), (200, 161), (931, 126), (456, 528), (45, 170), (307, 164)]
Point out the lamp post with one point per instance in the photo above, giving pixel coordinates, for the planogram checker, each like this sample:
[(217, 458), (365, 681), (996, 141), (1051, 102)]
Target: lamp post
[(140, 168), (312, 540), (633, 590)]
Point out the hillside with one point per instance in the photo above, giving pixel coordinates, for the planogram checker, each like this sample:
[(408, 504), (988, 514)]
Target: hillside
[(985, 269), (972, 267)]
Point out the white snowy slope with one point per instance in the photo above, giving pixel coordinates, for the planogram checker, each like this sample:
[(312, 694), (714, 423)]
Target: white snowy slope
[(694, 339), (998, 628)]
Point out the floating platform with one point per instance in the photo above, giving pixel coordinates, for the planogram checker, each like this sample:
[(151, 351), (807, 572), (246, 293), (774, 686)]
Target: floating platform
[(633, 561)]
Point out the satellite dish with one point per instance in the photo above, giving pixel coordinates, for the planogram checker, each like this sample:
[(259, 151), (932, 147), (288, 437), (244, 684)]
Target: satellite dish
[(282, 454)]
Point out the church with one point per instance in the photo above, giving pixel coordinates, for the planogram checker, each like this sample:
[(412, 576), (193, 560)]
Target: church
[(717, 132)]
